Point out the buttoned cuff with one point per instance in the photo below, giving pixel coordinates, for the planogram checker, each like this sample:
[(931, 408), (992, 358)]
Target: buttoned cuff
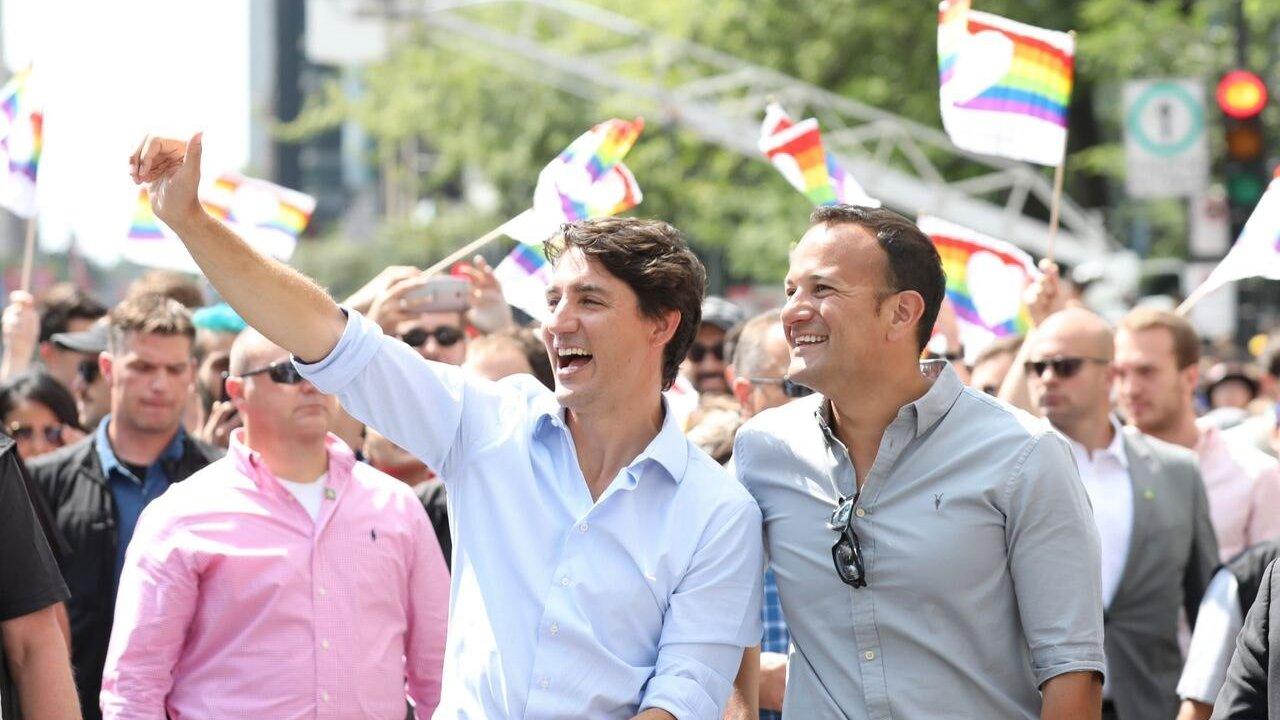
[(680, 696), (360, 341)]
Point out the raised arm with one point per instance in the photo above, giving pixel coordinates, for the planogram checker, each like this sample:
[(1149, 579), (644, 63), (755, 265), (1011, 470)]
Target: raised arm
[(284, 305)]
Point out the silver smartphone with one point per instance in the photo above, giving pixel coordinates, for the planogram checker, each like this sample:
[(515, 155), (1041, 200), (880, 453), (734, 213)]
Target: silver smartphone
[(442, 293)]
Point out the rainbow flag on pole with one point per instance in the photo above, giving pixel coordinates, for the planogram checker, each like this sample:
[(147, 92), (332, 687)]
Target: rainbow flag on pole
[(1004, 86), (585, 181), (796, 150), (985, 281), (268, 216), (21, 141)]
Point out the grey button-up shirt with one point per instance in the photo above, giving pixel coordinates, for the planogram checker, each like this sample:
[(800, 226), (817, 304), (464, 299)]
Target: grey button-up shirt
[(981, 554)]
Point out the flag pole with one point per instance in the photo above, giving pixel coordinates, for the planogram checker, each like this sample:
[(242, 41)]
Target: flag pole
[(1056, 204), (465, 250), (28, 254)]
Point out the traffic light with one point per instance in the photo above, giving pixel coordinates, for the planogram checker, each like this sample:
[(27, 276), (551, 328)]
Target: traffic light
[(1241, 97)]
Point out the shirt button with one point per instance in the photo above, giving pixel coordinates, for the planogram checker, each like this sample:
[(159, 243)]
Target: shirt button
[(582, 527), (544, 683), (324, 695), (860, 512), (322, 592), (324, 644), (564, 581), (555, 628), (870, 655)]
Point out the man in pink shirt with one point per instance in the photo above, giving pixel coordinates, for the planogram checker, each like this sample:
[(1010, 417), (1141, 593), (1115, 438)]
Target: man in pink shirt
[(1157, 371), (286, 580)]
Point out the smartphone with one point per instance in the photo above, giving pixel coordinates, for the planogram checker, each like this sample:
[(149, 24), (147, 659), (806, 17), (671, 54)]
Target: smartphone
[(442, 293)]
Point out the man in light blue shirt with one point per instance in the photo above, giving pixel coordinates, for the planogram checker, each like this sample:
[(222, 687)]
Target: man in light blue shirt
[(603, 567)]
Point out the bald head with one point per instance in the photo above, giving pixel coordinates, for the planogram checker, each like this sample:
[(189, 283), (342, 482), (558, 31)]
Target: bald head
[(251, 350), (1078, 332)]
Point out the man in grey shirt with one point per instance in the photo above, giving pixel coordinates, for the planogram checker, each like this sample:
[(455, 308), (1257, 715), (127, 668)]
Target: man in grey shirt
[(934, 548)]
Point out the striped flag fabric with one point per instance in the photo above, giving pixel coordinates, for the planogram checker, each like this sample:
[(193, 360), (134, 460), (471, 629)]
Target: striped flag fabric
[(985, 281), (524, 275), (796, 150), (21, 142), (268, 216), (1004, 86)]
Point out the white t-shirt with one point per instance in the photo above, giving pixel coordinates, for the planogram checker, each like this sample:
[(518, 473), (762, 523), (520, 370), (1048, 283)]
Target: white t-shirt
[(311, 494)]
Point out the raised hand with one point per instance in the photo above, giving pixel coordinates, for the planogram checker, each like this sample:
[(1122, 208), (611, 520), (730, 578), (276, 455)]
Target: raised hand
[(172, 169), (489, 310), (19, 333), (1044, 295)]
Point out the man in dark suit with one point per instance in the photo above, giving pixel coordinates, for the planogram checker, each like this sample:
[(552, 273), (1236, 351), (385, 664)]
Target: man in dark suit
[(1158, 545), (97, 487), (1247, 693)]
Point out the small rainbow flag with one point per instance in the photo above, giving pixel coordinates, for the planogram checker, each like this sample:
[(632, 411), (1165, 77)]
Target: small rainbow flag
[(588, 179), (985, 280), (1004, 86), (796, 150), (145, 225), (524, 275), (251, 203), (21, 142)]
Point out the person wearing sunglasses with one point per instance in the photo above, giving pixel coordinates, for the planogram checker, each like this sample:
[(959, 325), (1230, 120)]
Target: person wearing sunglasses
[(38, 413), (321, 559), (1149, 506), (759, 367), (705, 364), (602, 565), (934, 550), (93, 396)]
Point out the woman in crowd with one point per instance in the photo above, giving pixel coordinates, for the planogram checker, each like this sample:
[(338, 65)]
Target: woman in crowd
[(38, 413)]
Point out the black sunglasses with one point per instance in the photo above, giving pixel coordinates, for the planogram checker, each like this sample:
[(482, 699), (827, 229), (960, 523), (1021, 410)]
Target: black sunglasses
[(88, 370), (847, 552), (1063, 367), (445, 335), (23, 432), (790, 388), (698, 352), (282, 372)]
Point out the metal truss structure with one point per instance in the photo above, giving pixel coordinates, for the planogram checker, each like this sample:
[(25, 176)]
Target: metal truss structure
[(591, 52)]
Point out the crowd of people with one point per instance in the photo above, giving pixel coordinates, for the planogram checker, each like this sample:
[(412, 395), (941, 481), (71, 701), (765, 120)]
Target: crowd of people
[(656, 504)]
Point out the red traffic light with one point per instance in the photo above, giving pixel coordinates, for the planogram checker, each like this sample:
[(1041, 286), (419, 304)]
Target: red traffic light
[(1241, 94)]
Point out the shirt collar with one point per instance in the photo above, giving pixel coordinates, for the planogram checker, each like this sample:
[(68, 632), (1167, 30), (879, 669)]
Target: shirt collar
[(107, 456), (249, 462), (927, 410), (1115, 448), (669, 449)]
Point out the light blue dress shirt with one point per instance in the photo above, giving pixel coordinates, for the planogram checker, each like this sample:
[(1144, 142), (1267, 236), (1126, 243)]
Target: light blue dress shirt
[(561, 607)]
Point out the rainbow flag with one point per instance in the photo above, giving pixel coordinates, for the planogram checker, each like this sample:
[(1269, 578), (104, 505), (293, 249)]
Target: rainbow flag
[(588, 179), (796, 150), (268, 216), (985, 281), (1004, 86), (21, 142), (524, 275)]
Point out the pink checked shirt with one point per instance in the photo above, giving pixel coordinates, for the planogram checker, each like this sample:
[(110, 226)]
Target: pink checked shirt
[(1243, 486), (235, 604)]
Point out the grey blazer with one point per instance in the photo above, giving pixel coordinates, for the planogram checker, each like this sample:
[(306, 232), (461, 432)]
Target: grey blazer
[(1172, 555)]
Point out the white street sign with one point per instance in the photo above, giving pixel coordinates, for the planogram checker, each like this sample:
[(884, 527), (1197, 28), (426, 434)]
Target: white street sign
[(1165, 146)]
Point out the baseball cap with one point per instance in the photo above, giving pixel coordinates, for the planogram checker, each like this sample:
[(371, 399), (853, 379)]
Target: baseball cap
[(721, 313)]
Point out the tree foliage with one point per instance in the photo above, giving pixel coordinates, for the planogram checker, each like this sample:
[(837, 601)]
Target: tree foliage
[(498, 121)]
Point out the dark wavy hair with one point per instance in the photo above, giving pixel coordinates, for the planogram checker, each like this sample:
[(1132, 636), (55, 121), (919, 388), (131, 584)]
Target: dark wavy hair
[(39, 386), (913, 264), (654, 260)]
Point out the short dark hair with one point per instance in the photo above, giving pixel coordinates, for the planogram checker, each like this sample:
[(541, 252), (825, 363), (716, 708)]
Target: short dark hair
[(158, 314), (183, 288), (654, 260), (63, 303), (913, 261), (1008, 345), (38, 386)]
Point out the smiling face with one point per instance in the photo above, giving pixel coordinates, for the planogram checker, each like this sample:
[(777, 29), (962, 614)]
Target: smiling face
[(604, 351), (837, 322), (151, 380)]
